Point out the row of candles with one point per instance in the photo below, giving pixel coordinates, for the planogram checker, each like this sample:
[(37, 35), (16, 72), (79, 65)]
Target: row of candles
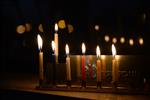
[(55, 48), (68, 66)]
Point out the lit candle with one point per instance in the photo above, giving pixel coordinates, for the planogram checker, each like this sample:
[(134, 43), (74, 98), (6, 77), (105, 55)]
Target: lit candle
[(103, 66), (83, 62), (41, 70), (68, 69), (56, 42), (53, 61), (53, 49), (117, 66), (98, 64), (113, 63)]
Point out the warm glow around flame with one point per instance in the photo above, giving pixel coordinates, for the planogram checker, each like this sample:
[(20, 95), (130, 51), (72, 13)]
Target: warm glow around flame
[(67, 49), (53, 45), (83, 48), (40, 42), (56, 27), (113, 50), (103, 57), (98, 53)]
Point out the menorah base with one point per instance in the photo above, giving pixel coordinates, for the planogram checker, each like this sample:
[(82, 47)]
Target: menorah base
[(68, 83), (99, 84), (41, 82), (114, 83), (83, 83)]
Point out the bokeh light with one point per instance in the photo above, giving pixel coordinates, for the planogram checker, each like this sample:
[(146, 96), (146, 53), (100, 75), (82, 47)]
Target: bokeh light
[(96, 27), (70, 28), (20, 29), (114, 40), (40, 28), (61, 24), (122, 40), (28, 27), (141, 41), (106, 38), (131, 42)]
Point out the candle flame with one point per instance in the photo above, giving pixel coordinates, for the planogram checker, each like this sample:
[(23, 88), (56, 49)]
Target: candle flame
[(113, 50), (98, 53), (56, 27), (67, 49), (53, 45), (40, 42), (83, 48)]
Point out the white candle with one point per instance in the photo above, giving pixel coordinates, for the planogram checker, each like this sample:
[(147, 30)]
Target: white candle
[(41, 70), (113, 63), (117, 66), (68, 69), (98, 64), (56, 42), (103, 66)]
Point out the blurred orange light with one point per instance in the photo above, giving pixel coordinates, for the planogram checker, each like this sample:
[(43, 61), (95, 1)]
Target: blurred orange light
[(70, 28), (61, 24), (40, 28), (20, 29), (28, 27)]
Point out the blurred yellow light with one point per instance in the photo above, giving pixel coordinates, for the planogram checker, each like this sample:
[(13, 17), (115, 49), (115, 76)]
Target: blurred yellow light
[(96, 27), (70, 28), (114, 40), (106, 38), (20, 29), (131, 42), (122, 40), (61, 24), (141, 41), (40, 28)]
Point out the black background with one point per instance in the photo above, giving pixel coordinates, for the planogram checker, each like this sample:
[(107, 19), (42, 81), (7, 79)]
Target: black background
[(117, 18)]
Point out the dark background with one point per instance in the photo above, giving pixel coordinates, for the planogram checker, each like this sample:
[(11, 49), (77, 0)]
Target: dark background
[(117, 18)]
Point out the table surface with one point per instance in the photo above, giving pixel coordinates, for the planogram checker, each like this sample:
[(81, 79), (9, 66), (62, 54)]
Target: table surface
[(28, 82)]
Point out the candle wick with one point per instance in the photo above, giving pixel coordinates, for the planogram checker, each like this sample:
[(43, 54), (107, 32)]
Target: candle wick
[(114, 57), (67, 55), (40, 50)]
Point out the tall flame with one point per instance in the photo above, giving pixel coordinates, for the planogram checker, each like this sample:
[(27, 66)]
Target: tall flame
[(56, 27), (67, 49), (40, 42), (83, 48), (98, 53), (53, 45), (113, 50)]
